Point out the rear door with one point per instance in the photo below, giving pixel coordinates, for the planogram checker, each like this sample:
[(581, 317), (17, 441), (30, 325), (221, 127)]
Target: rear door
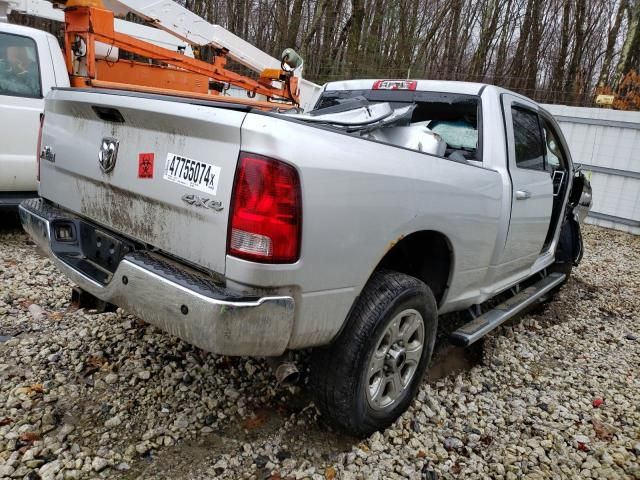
[(532, 188)]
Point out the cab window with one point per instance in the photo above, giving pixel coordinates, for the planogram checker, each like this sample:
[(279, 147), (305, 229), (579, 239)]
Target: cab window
[(528, 139), (19, 71), (454, 118)]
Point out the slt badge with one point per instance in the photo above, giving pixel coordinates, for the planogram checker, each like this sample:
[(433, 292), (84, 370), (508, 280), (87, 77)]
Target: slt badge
[(202, 202), (108, 154)]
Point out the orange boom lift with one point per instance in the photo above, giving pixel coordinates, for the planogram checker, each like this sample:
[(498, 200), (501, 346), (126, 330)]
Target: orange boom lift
[(90, 43)]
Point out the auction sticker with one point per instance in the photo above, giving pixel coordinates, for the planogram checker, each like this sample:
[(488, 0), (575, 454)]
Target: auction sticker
[(192, 173)]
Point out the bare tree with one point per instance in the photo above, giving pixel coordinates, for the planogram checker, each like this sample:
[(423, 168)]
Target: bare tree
[(551, 50)]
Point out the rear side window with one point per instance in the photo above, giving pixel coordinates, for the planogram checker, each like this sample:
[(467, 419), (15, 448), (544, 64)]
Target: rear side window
[(19, 70), (528, 139)]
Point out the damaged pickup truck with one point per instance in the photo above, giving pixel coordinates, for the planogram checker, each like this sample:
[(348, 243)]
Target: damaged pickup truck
[(350, 229)]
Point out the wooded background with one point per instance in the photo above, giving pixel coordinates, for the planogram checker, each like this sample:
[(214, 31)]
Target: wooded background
[(555, 51)]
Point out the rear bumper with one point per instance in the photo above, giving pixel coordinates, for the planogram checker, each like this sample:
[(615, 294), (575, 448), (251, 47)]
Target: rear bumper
[(170, 297)]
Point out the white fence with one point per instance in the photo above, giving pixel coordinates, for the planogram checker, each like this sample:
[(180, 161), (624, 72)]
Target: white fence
[(607, 144)]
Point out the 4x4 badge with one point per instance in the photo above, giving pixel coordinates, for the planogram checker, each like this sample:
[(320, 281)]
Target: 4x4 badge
[(202, 202), (108, 154)]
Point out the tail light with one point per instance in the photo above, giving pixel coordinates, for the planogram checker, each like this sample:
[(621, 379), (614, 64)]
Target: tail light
[(39, 146), (266, 213)]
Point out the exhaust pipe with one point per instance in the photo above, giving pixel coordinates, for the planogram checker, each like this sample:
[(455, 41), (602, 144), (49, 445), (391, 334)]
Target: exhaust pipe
[(287, 374), (285, 371)]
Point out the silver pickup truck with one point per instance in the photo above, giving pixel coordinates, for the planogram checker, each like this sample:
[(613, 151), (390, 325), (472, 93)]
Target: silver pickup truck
[(349, 229)]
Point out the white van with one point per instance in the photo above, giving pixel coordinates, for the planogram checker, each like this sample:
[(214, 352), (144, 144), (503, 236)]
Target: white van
[(31, 63)]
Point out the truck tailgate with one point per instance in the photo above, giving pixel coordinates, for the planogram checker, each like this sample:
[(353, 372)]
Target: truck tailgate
[(170, 185)]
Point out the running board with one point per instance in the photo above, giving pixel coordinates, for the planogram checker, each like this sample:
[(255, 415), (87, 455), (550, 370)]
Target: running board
[(480, 326)]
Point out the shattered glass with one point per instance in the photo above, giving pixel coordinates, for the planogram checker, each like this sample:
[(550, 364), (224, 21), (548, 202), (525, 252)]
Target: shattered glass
[(457, 134)]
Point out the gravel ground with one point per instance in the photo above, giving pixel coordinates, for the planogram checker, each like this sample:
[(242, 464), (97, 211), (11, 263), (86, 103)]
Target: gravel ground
[(555, 394)]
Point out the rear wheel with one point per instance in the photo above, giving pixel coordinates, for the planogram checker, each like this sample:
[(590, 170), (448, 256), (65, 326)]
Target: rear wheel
[(368, 376)]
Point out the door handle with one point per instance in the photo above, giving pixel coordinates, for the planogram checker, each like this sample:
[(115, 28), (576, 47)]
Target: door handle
[(522, 194)]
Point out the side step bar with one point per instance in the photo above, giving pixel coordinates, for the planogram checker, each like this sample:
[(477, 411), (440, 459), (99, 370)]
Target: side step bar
[(480, 326)]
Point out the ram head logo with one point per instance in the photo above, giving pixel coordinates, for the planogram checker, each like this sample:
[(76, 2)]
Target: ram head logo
[(108, 154)]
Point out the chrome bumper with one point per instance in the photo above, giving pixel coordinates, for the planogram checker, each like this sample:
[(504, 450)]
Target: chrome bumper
[(175, 300)]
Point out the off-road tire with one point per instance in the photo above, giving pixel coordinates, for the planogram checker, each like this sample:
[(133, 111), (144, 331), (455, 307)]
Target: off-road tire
[(338, 375)]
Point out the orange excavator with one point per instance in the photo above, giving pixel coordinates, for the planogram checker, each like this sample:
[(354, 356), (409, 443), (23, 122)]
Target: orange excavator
[(92, 58), (625, 97)]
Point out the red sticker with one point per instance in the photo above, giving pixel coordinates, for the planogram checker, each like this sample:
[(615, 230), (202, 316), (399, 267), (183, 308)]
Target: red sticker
[(145, 165)]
